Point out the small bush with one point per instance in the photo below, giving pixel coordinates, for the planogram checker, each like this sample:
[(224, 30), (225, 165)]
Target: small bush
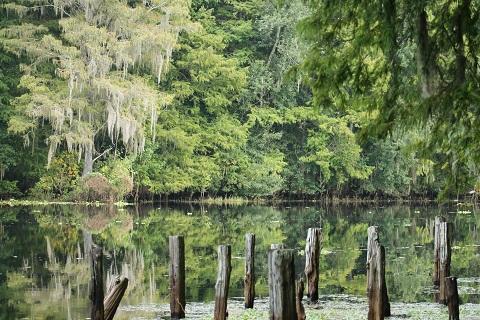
[(94, 187), (60, 178), (111, 184), (9, 189), (118, 173)]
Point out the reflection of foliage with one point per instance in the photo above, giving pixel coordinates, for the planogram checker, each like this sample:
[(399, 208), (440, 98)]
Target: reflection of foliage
[(202, 235), (136, 244)]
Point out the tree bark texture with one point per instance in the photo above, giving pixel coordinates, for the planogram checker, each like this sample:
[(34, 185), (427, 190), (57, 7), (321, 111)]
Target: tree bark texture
[(223, 282), (177, 276), (312, 261), (249, 280)]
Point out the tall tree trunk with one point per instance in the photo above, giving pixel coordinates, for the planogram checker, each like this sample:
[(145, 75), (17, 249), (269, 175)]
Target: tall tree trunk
[(88, 161), (390, 48), (275, 44), (425, 56), (462, 17)]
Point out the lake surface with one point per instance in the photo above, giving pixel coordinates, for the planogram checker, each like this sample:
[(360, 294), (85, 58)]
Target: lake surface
[(44, 267)]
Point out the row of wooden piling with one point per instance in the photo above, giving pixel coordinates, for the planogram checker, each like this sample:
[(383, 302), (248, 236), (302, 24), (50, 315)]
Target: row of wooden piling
[(285, 292)]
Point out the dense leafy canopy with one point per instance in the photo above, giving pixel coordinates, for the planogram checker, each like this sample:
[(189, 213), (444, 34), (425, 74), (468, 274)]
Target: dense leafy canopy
[(412, 64), (226, 98)]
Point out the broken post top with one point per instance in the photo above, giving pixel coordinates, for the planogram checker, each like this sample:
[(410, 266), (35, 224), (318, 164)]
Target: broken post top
[(282, 252), (440, 219), (373, 241), (373, 233), (224, 251), (277, 246)]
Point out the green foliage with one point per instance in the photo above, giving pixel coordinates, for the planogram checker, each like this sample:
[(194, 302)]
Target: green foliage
[(226, 99), (112, 183), (95, 75), (9, 189), (119, 175), (59, 179), (412, 64)]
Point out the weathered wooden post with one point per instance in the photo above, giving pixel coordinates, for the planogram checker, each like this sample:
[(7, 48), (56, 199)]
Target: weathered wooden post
[(443, 234), (275, 246), (223, 281), (378, 304), (281, 270), (115, 293), (177, 276), (436, 250), (249, 280), (299, 287), (452, 298), (96, 287), (312, 260)]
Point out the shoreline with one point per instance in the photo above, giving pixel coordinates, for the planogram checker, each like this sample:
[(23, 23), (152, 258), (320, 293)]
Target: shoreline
[(238, 202)]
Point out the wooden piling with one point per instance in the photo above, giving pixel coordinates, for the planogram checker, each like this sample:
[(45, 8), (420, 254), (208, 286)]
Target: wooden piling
[(96, 287), (177, 276), (378, 304), (114, 295), (452, 298), (223, 281), (299, 287), (443, 233), (249, 280), (274, 246), (281, 271), (312, 260), (436, 250)]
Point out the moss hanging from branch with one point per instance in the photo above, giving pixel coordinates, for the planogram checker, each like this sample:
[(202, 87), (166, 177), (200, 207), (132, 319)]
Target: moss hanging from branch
[(103, 59)]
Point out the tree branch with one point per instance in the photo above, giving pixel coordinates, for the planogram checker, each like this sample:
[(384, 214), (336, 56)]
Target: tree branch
[(101, 155)]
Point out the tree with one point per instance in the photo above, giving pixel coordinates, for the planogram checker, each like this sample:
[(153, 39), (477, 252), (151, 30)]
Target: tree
[(94, 76), (410, 63)]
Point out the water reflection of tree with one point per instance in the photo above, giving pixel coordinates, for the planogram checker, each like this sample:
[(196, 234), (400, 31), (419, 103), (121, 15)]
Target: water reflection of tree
[(51, 246), (203, 233)]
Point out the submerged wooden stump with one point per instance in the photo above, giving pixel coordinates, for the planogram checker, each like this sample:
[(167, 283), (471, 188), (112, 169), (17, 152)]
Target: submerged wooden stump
[(223, 281), (104, 308), (299, 287), (249, 280), (115, 293), (312, 260), (378, 304), (177, 276), (96, 286), (436, 250), (443, 252), (281, 270), (453, 301)]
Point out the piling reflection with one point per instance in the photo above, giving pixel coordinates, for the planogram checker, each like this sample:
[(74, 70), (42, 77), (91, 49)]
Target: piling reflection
[(44, 258)]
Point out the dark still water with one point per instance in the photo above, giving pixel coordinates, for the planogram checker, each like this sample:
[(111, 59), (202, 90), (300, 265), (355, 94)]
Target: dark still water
[(44, 270)]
